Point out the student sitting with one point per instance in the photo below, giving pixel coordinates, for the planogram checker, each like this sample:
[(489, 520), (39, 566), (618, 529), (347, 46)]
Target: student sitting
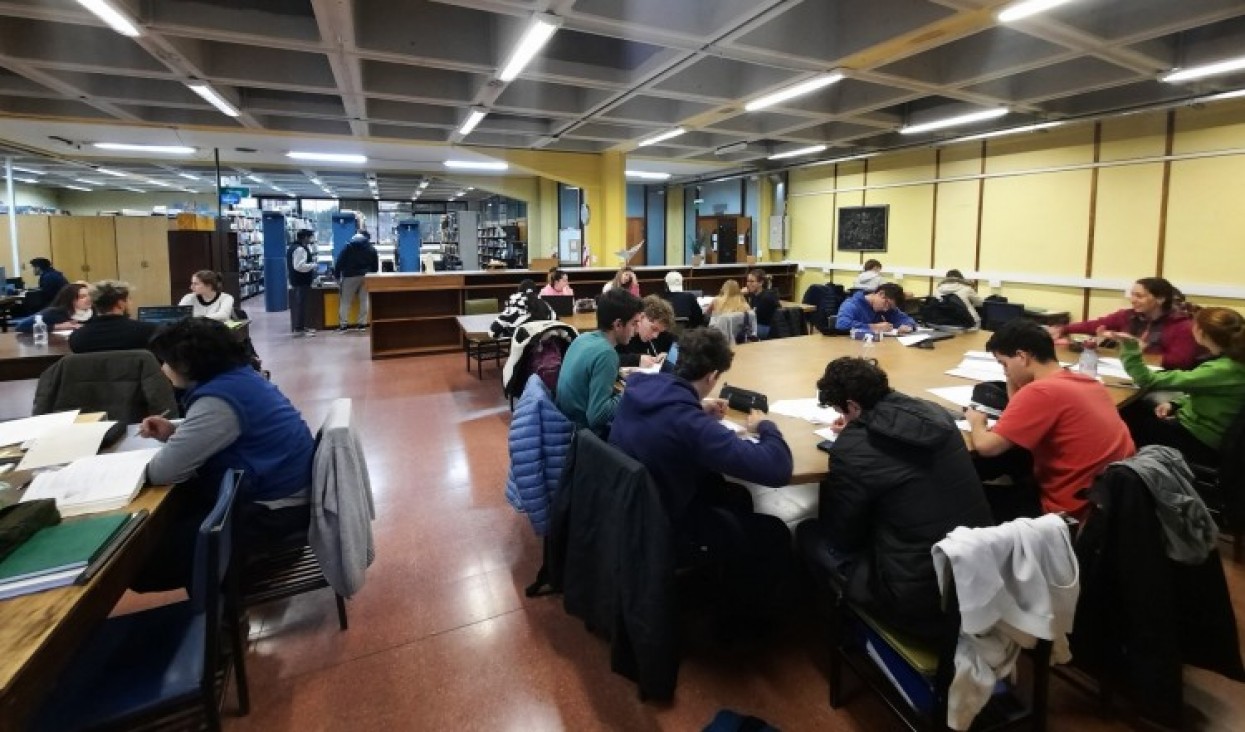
[(1066, 420), (666, 422), (206, 298), (652, 339), (869, 279), (586, 391), (762, 299), (522, 306), (1213, 392), (730, 313), (624, 279), (1153, 318), (559, 284), (684, 303), (900, 479), (69, 309), (111, 328), (878, 311), (730, 299), (956, 286)]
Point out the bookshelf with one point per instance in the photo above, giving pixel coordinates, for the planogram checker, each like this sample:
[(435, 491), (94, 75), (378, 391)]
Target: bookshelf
[(248, 235), (500, 242), (415, 314)]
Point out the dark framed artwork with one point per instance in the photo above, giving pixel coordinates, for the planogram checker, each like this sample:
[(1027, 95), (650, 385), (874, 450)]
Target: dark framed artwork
[(863, 228)]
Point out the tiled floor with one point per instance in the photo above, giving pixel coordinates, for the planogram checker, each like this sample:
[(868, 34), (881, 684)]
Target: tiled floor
[(442, 636)]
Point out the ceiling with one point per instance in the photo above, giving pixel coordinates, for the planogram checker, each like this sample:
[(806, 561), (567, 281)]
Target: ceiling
[(395, 79)]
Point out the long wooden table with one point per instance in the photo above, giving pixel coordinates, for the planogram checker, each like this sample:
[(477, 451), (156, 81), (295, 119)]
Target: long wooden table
[(20, 358), (789, 368)]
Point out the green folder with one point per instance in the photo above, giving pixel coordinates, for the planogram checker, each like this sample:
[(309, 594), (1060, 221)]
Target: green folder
[(67, 545)]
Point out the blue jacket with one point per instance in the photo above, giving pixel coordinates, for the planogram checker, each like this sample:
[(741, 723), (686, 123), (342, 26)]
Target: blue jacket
[(856, 312), (660, 423), (540, 437)]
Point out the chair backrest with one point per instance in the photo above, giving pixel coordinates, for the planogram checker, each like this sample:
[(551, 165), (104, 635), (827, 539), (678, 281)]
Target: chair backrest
[(342, 506), (480, 306), (213, 553), (998, 313), (736, 326), (127, 385)]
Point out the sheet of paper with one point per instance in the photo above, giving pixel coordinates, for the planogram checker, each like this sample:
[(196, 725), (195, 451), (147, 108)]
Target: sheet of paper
[(966, 427), (909, 340), (959, 395), (805, 409), (31, 428), (827, 434), (65, 444), (976, 374), (732, 426), (97, 483)]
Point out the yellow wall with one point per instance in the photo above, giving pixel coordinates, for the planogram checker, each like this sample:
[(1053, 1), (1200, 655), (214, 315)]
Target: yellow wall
[(1086, 200), (676, 240)]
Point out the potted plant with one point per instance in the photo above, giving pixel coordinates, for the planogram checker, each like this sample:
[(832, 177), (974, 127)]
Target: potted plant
[(698, 248)]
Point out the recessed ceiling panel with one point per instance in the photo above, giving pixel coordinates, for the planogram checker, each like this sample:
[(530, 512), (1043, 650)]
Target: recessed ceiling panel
[(656, 110), (848, 96), (1059, 80), (83, 45), (265, 65), (276, 101), (178, 116), (411, 81), (1118, 97), (423, 134), (760, 123), (1129, 18), (987, 53), (446, 32), (1197, 46), (594, 50), (132, 88), (305, 124), (831, 132), (724, 79), (288, 19), (558, 98), (425, 114), (829, 31), (699, 19)]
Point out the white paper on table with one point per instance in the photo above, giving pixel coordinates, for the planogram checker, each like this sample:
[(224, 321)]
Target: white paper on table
[(31, 428), (827, 434), (959, 395), (97, 483), (1114, 368), (806, 409), (976, 374), (65, 444), (910, 340), (732, 426), (966, 427)]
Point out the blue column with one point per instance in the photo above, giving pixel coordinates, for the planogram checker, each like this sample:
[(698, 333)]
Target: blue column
[(276, 239)]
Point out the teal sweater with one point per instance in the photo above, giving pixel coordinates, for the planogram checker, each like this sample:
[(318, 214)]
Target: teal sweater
[(586, 393), (1214, 391)]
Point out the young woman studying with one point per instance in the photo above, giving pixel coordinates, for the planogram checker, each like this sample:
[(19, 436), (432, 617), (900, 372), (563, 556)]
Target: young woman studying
[(206, 297), (559, 284), (626, 280), (1213, 392), (69, 309), (1152, 318)]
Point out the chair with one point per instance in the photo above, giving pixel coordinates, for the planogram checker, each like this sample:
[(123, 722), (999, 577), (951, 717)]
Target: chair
[(337, 547), (738, 327), (127, 385), (1222, 486), (788, 322), (160, 665), (995, 314), (481, 346)]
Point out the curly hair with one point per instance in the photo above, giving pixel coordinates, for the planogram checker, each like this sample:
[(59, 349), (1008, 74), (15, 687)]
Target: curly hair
[(701, 352), (198, 348), (851, 379), (105, 294), (658, 310)]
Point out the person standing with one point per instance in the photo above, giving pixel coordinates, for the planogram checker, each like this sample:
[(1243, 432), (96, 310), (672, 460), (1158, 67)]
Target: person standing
[(356, 261), (300, 263)]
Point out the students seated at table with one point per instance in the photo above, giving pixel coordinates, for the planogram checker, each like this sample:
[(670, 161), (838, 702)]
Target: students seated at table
[(111, 328), (730, 313), (51, 282), (685, 305), (1211, 395), (235, 418), (1066, 421), (879, 311), (69, 309), (1153, 318), (587, 392), (900, 479), (870, 278), (666, 422), (206, 297), (625, 279), (524, 305), (762, 298), (956, 286), (559, 284), (652, 339)]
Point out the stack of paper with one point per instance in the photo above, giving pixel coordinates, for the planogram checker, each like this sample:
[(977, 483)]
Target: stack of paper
[(31, 428), (961, 396), (978, 366), (805, 409), (97, 483), (1113, 367)]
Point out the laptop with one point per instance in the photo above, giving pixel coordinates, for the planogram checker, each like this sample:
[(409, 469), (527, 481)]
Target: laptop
[(563, 305), (164, 313)]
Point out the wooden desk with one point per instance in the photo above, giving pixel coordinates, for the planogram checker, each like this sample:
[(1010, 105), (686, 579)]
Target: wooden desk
[(789, 368), (800, 305), (20, 358), (476, 325)]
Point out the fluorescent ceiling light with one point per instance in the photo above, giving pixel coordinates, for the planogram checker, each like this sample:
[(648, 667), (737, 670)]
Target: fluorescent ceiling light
[(956, 121), (469, 188), (848, 158), (791, 92), (110, 15), (189, 176), (472, 120), (317, 181), (537, 35), (1212, 98), (423, 184), (291, 195), (644, 175), (26, 180), (170, 149), (160, 183), (77, 188), (88, 181), (667, 135), (328, 157), (798, 152), (1200, 72), (1025, 8), (133, 190), (255, 179), (32, 171), (211, 97), (113, 173), (1012, 131), (475, 165)]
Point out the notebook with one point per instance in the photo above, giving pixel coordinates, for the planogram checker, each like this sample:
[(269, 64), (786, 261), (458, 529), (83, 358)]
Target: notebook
[(58, 555), (93, 484)]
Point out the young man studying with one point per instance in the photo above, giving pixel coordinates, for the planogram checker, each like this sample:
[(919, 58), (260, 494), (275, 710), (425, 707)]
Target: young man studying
[(1067, 421), (586, 383), (878, 311)]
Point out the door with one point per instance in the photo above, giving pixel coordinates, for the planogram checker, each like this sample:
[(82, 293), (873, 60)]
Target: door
[(68, 252), (635, 235), (99, 245), (34, 239), (143, 258)]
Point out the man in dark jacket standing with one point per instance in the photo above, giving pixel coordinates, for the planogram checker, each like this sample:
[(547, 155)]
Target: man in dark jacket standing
[(900, 479), (666, 422), (300, 263), (356, 261)]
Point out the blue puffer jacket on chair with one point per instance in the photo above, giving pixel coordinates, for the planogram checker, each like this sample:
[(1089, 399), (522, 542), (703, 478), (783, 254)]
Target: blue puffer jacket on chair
[(540, 437)]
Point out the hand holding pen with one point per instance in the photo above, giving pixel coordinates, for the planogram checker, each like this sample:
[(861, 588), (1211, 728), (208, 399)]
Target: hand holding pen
[(157, 426)]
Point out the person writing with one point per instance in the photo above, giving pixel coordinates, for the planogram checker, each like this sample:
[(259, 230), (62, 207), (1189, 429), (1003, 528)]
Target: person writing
[(1212, 394), (1153, 318), (69, 309), (652, 339), (586, 393), (206, 297), (878, 311), (870, 278), (624, 279), (559, 284), (111, 328), (762, 298)]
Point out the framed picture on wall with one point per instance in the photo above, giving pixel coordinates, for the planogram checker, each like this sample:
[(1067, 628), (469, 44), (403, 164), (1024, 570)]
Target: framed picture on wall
[(863, 228)]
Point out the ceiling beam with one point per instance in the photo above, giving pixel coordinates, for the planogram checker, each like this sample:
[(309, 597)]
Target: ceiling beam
[(335, 19)]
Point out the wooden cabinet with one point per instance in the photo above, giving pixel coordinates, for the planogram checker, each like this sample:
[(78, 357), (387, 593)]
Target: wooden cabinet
[(34, 239), (728, 239), (415, 314), (143, 259), (84, 247)]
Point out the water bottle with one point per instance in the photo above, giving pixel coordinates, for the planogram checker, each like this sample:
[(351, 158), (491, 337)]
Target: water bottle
[(40, 331), (1088, 363), (867, 337)]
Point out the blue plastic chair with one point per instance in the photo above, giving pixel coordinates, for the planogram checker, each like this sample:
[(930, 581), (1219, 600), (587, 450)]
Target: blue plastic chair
[(156, 664)]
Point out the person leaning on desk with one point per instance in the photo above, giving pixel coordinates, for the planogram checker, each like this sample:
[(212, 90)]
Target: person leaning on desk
[(111, 329), (879, 311), (235, 419)]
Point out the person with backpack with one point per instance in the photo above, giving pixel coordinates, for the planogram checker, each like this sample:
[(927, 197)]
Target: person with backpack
[(956, 286)]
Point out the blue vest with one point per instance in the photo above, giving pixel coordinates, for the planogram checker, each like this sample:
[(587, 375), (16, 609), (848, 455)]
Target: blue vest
[(275, 447)]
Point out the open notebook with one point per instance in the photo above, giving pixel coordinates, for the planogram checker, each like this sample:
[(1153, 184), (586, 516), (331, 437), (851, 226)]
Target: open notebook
[(92, 484)]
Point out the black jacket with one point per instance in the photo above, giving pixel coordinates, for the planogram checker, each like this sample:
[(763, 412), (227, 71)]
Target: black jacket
[(629, 354), (610, 550), (765, 303), (685, 305), (111, 333), (357, 259), (900, 480)]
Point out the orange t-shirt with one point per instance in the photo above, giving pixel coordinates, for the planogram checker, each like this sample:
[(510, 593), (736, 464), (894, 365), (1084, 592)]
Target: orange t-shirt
[(1074, 431)]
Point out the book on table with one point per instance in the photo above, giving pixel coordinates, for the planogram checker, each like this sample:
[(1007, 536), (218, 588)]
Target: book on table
[(93, 484), (56, 556)]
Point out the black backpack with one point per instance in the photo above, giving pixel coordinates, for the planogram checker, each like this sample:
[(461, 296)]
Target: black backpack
[(826, 298), (946, 310)]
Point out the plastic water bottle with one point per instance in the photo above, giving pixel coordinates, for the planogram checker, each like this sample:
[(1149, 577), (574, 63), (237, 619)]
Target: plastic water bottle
[(1088, 364), (867, 337), (40, 331)]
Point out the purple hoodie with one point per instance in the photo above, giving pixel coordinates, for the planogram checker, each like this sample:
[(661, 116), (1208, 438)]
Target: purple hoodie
[(660, 423)]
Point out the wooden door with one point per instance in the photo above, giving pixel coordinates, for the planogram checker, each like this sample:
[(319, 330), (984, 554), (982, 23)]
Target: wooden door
[(33, 240), (743, 227), (68, 252), (635, 235), (99, 244), (143, 258)]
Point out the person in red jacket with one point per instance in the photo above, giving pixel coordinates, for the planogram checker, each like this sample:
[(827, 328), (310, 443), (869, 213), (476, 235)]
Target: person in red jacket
[(1153, 319)]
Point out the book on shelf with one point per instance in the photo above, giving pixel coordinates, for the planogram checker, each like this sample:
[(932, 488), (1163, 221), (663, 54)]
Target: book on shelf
[(93, 484)]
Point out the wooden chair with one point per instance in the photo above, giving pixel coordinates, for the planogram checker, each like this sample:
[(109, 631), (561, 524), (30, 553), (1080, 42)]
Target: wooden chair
[(482, 346), (155, 668)]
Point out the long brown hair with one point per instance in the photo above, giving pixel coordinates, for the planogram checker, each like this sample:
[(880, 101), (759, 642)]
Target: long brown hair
[(1225, 328), (730, 300)]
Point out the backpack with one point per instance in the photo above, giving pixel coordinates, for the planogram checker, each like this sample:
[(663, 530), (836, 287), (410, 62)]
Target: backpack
[(826, 298), (946, 310), (546, 361)]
